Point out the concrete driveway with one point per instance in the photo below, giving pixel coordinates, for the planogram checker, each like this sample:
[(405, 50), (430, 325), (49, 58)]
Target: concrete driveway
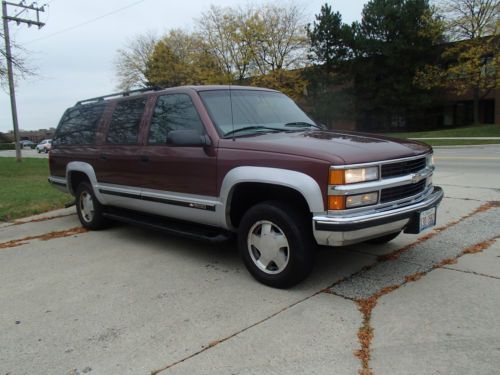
[(131, 301)]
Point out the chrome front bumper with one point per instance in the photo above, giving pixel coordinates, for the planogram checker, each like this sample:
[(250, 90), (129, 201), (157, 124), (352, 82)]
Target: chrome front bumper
[(341, 230)]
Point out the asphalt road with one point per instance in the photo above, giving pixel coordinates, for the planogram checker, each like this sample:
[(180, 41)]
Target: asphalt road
[(130, 301)]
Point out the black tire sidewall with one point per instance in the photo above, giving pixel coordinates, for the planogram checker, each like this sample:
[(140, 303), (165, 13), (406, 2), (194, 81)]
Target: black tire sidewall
[(298, 232), (98, 221)]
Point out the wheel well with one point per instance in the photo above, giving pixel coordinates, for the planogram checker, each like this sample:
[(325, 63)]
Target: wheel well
[(247, 194), (76, 178)]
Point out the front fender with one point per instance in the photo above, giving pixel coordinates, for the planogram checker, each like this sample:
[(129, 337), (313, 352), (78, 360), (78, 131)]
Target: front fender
[(298, 181)]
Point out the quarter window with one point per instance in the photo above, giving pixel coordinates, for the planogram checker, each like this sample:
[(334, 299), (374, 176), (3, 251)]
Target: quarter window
[(78, 125), (124, 126), (173, 112)]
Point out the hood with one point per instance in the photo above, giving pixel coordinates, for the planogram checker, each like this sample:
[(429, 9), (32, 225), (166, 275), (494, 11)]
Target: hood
[(332, 146)]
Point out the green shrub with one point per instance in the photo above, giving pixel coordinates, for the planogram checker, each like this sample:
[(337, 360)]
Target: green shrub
[(7, 146)]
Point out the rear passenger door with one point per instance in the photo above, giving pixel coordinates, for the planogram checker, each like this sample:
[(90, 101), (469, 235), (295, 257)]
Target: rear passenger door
[(119, 158), (185, 170)]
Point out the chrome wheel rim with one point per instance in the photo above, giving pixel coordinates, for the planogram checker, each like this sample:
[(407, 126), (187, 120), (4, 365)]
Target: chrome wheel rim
[(86, 206), (268, 247)]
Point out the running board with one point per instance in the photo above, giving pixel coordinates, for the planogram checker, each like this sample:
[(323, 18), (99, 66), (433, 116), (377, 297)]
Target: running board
[(169, 226)]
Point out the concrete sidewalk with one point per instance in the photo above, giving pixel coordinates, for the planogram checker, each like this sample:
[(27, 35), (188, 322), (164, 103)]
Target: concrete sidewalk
[(130, 301)]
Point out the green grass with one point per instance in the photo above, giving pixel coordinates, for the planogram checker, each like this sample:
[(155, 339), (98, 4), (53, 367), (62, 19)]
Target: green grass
[(469, 131), (24, 189)]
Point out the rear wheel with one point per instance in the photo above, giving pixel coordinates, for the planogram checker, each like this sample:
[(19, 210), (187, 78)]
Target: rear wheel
[(276, 244), (384, 239), (88, 207)]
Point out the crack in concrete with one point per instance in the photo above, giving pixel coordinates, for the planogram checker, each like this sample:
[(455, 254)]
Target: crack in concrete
[(44, 218), (366, 305), (472, 273), (43, 237), (214, 343)]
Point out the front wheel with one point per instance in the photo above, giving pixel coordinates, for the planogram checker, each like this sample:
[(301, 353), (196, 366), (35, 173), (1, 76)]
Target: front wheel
[(276, 243), (90, 211)]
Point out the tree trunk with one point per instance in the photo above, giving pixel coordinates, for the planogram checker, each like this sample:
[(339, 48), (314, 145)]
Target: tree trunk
[(475, 105)]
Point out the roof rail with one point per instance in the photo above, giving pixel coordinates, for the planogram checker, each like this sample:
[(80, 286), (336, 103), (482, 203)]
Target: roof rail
[(118, 94)]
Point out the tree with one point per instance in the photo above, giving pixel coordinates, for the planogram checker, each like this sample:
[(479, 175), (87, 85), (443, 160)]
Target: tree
[(131, 61), (330, 80), (221, 29), (393, 41), (331, 40), (276, 36), (182, 59), (19, 64), (470, 19), (471, 64)]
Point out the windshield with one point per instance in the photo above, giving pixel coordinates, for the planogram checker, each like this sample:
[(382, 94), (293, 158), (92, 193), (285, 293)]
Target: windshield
[(254, 111)]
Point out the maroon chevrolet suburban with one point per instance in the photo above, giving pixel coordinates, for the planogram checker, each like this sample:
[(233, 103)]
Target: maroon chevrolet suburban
[(209, 161)]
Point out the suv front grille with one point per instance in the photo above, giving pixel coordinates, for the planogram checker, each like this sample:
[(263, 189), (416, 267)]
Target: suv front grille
[(402, 168), (401, 192)]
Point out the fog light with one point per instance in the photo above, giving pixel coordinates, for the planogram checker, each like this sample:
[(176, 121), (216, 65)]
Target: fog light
[(359, 200)]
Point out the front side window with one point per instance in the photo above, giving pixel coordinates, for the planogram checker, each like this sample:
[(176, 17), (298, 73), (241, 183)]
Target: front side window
[(124, 126), (78, 125), (173, 112)]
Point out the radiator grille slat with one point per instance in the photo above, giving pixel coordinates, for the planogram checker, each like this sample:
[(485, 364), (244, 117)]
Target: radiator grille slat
[(401, 192), (402, 168)]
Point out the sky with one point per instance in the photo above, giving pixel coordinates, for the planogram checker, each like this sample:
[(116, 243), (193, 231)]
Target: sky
[(74, 53)]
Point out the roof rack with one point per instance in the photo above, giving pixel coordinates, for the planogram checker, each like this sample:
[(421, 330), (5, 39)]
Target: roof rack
[(118, 94)]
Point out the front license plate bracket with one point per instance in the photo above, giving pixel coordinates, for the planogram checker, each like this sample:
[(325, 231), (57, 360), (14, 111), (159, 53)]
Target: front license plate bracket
[(421, 221)]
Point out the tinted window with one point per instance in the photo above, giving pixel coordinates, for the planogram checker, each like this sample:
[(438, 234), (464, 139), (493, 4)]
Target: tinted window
[(173, 112), (78, 125), (124, 126)]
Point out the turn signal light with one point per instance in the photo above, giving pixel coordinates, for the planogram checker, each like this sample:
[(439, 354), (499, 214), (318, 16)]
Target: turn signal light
[(336, 202), (337, 177)]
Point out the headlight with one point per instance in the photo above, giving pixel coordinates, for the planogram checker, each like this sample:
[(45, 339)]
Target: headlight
[(352, 176)]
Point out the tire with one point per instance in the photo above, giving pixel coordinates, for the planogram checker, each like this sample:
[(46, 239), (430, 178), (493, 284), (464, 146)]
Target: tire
[(290, 244), (90, 211), (384, 239), (39, 151)]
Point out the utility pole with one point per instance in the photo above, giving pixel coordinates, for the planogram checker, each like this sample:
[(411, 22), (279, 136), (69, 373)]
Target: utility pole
[(8, 55)]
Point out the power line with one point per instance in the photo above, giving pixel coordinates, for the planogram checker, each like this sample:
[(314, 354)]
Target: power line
[(85, 23)]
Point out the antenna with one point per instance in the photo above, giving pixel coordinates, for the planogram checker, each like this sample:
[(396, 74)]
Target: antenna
[(231, 103)]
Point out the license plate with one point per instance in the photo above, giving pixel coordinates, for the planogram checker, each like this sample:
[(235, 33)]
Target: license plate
[(427, 219)]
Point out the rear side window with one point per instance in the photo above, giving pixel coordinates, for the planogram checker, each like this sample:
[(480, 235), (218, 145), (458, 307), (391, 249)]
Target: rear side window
[(124, 126), (78, 125), (173, 112)]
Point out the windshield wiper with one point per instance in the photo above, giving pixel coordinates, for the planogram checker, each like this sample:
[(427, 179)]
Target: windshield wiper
[(302, 124), (254, 127)]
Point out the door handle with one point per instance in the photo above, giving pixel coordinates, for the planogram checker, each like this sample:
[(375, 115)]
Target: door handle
[(144, 158), (104, 157)]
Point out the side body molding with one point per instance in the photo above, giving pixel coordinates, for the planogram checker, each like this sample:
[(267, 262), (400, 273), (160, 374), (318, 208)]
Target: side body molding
[(79, 166), (298, 181)]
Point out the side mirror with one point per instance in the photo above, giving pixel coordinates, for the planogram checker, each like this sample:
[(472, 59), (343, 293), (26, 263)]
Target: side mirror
[(187, 138)]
